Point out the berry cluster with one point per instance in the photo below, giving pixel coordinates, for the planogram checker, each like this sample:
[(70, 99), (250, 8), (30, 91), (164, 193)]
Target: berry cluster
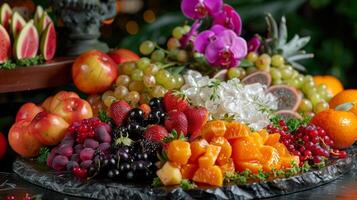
[(309, 142), (76, 151)]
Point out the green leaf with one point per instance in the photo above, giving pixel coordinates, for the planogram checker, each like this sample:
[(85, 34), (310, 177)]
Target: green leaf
[(103, 116), (156, 182), (43, 154), (245, 63), (187, 185)]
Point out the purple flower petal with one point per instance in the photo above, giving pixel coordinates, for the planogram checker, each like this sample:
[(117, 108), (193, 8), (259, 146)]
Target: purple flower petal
[(229, 18), (188, 8), (254, 43), (198, 9), (214, 6), (202, 40), (188, 37), (217, 29)]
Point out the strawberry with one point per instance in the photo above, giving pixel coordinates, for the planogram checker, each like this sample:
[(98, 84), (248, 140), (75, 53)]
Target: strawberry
[(156, 133), (176, 120), (196, 117), (119, 111), (174, 101)]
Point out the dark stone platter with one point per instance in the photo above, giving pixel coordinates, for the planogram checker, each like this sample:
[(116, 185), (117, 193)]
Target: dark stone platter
[(65, 183)]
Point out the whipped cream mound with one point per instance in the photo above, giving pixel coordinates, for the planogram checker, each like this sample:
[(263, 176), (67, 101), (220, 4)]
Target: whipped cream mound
[(248, 104)]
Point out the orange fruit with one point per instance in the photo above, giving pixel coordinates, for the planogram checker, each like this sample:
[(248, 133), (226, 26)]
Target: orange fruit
[(258, 139), (334, 85), (226, 149), (179, 152), (270, 159), (264, 135), (211, 175), (281, 148), (198, 148), (346, 96), (286, 161), (228, 166), (245, 149), (236, 130), (215, 128), (340, 126), (210, 157), (188, 171), (254, 167), (272, 139)]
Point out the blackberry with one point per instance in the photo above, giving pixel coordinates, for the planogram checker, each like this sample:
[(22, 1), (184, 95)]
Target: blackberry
[(148, 147)]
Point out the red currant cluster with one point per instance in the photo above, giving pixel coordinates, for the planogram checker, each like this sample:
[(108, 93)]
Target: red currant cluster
[(12, 197), (84, 129), (309, 142)]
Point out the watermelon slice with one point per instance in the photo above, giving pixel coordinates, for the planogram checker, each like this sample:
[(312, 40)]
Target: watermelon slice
[(27, 42), (17, 23), (44, 21), (5, 15), (49, 42), (5, 45)]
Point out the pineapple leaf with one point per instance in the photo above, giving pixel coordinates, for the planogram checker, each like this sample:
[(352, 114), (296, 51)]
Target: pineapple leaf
[(283, 32), (272, 27), (297, 66), (301, 56)]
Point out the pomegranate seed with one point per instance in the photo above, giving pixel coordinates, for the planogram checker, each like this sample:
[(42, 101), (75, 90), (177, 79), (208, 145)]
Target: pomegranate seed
[(343, 154), (27, 197), (10, 197)]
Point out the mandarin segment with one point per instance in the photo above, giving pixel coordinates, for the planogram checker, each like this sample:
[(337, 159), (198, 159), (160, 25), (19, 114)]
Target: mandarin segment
[(210, 157), (272, 139), (226, 149), (245, 149), (215, 128), (211, 175), (236, 130), (179, 151), (198, 148), (188, 171), (270, 159), (254, 167), (228, 166)]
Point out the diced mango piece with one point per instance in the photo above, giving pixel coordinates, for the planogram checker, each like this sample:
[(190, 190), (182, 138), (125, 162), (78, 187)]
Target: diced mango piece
[(169, 174)]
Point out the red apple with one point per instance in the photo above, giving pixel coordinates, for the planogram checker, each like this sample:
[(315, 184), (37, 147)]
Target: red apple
[(48, 128), (123, 55), (73, 109), (3, 145), (28, 111), (94, 72), (59, 97), (47, 103), (22, 141)]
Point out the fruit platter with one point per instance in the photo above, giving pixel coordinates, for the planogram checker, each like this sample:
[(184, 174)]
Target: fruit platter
[(210, 115)]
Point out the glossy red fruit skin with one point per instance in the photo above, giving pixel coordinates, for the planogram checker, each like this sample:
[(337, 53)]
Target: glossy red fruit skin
[(156, 133), (3, 145), (196, 117), (94, 72), (120, 56), (28, 111), (118, 111), (176, 120), (172, 102)]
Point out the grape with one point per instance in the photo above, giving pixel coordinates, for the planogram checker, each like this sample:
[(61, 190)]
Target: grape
[(157, 55), (179, 81), (136, 86), (151, 70), (233, 72), (71, 165), (308, 86), (75, 157), (177, 32), (86, 154), (59, 162), (186, 28), (78, 148), (143, 63), (182, 56), (315, 99), (106, 94), (263, 62), (104, 146), (50, 157), (65, 150), (305, 105), (144, 98), (124, 166), (321, 106), (158, 91), (277, 60), (123, 80), (162, 76), (130, 175), (93, 99), (86, 164), (147, 47), (149, 81), (286, 73), (120, 92), (68, 139), (252, 56), (90, 143), (295, 74), (137, 75), (133, 97), (170, 84), (251, 70), (102, 134), (293, 82), (242, 72), (309, 78), (128, 68), (109, 100), (277, 82), (275, 74), (173, 43)]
